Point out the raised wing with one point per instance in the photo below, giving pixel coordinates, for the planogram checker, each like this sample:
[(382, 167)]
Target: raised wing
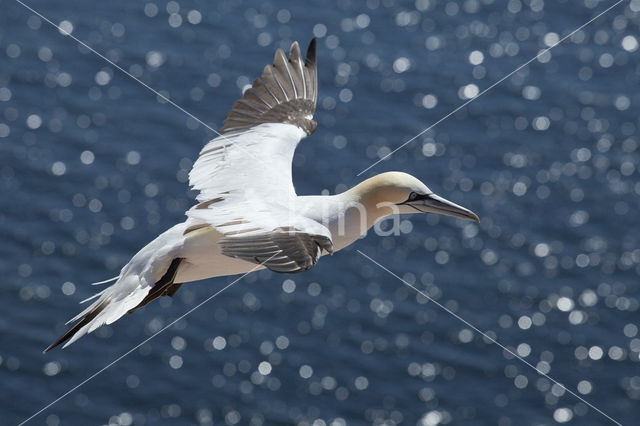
[(261, 132), (244, 176)]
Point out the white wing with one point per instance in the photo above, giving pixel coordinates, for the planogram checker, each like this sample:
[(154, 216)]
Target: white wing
[(244, 175), (245, 167), (261, 132), (253, 155)]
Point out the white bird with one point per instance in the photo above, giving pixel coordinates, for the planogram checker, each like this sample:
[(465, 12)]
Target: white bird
[(248, 215)]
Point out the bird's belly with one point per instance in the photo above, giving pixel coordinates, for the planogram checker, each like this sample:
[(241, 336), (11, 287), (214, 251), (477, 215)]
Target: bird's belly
[(203, 258)]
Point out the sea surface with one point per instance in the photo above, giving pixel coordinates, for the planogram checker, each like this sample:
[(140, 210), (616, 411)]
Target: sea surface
[(93, 165)]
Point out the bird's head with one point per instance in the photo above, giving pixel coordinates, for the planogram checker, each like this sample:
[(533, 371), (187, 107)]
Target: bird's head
[(397, 192)]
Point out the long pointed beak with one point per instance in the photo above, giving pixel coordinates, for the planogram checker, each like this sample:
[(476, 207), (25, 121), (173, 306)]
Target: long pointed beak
[(433, 203)]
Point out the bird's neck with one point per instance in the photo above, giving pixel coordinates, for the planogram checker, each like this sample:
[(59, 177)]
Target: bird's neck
[(371, 200), (350, 214)]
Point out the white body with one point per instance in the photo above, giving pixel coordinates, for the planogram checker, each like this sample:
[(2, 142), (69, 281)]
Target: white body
[(203, 257), (249, 200)]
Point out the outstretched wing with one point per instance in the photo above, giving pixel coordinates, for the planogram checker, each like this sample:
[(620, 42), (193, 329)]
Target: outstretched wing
[(244, 175), (255, 149)]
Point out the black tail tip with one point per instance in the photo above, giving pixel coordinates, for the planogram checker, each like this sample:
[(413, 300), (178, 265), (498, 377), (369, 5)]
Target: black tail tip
[(56, 343)]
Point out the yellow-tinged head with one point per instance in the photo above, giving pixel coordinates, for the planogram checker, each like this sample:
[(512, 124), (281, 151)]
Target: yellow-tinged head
[(397, 192)]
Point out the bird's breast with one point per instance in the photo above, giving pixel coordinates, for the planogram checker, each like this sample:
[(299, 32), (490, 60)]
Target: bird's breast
[(204, 259)]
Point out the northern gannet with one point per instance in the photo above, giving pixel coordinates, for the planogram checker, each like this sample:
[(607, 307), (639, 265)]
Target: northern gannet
[(248, 214)]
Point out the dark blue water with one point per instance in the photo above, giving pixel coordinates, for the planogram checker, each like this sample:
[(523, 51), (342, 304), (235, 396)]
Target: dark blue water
[(93, 166)]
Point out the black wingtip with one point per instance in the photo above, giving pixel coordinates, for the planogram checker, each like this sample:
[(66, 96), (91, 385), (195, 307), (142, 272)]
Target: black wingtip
[(311, 53)]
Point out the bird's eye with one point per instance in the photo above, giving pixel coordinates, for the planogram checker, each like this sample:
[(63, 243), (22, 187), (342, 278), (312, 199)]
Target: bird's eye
[(413, 196)]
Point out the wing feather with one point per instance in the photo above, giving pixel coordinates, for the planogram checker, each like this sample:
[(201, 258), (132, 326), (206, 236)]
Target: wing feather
[(291, 87), (281, 250)]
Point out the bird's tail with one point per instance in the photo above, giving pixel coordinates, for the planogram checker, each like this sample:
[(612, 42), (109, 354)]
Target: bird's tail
[(112, 304)]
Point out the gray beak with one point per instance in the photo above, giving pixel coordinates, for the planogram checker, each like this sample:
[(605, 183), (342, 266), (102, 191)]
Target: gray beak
[(433, 203)]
